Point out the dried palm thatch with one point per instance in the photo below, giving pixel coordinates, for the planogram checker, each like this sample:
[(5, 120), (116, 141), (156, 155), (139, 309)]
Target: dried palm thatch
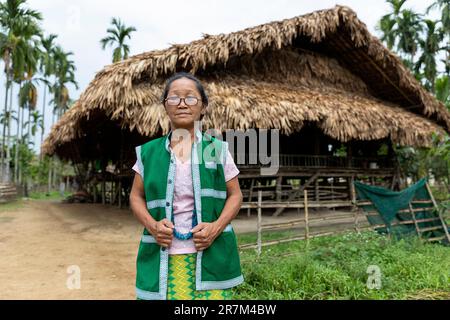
[(323, 67)]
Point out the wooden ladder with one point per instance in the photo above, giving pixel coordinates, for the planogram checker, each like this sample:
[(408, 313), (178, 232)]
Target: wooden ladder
[(296, 193), (442, 225)]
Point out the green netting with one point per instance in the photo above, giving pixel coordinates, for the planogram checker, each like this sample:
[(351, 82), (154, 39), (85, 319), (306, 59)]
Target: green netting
[(387, 203)]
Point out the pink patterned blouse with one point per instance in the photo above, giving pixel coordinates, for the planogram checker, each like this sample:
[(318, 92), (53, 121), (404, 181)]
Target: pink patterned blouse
[(183, 200)]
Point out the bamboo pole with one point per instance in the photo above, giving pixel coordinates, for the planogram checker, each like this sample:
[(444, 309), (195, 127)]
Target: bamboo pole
[(416, 225), (302, 221), (305, 196), (250, 197), (296, 204), (259, 223)]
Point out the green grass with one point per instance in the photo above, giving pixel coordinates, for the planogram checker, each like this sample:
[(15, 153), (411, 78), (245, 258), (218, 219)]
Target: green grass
[(335, 267), (251, 237), (9, 206), (20, 202), (54, 195)]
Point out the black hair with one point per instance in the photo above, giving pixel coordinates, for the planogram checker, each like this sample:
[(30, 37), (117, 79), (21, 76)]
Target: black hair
[(189, 76)]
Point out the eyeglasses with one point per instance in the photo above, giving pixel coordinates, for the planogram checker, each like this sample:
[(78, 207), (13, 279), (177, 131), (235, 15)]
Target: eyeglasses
[(175, 101)]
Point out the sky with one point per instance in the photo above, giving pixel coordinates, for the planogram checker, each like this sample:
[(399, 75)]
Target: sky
[(80, 25)]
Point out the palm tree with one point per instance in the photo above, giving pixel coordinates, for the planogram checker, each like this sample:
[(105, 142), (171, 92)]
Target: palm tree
[(409, 27), (34, 122), (24, 61), (64, 71), (117, 35), (442, 90), (19, 25), (64, 75), (28, 99), (7, 117), (430, 49), (401, 29), (387, 23), (29, 58), (47, 69), (444, 7)]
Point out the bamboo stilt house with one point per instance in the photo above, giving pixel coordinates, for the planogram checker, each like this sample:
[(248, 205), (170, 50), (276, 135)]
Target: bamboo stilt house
[(339, 97)]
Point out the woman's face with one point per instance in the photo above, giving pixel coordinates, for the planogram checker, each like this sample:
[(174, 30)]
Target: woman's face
[(184, 115)]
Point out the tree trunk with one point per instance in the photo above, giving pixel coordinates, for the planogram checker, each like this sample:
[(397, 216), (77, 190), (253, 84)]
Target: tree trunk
[(50, 163), (4, 129), (21, 138), (55, 169), (43, 121), (49, 184), (8, 149), (29, 126), (18, 142)]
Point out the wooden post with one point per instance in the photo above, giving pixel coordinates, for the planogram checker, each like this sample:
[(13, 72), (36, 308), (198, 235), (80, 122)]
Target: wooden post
[(352, 189), (353, 199), (259, 222), (278, 188), (349, 154), (103, 188), (120, 168), (94, 190), (305, 199), (120, 193), (316, 189), (250, 196), (112, 191), (332, 192)]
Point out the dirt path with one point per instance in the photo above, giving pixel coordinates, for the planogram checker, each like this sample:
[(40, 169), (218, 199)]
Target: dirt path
[(42, 239)]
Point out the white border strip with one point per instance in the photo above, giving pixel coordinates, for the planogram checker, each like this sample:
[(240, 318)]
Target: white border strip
[(147, 295), (148, 239), (156, 203), (198, 206), (225, 284), (214, 193), (139, 161)]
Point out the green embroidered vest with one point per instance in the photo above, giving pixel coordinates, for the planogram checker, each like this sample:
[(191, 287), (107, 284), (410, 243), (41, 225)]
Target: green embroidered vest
[(217, 267)]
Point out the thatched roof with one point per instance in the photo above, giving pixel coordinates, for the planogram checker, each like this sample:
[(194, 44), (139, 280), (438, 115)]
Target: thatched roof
[(323, 67)]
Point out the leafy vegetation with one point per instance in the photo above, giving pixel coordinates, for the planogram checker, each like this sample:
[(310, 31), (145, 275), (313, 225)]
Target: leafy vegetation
[(424, 46), (336, 267)]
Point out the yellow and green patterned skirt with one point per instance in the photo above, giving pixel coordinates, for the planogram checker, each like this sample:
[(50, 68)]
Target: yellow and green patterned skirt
[(181, 281)]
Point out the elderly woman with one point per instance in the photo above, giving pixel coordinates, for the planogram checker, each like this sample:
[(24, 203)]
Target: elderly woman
[(185, 193)]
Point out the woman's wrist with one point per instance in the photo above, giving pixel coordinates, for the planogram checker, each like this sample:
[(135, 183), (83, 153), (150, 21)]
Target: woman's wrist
[(219, 226), (151, 227)]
